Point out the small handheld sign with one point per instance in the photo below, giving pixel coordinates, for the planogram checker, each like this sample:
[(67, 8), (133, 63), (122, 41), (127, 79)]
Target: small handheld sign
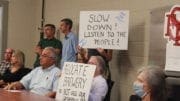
[(75, 82)]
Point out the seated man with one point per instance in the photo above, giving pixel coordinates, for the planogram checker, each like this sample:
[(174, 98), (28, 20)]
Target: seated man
[(99, 86), (6, 63), (42, 80)]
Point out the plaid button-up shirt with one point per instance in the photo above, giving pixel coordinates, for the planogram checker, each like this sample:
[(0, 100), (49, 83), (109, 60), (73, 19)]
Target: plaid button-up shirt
[(4, 65)]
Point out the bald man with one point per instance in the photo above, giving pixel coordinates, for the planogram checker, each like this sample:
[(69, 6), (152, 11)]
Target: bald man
[(6, 63)]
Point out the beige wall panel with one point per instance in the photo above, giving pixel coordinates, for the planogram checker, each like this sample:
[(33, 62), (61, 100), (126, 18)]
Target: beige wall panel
[(22, 27)]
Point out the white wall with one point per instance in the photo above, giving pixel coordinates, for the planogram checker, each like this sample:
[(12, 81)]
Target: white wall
[(1, 31), (23, 21)]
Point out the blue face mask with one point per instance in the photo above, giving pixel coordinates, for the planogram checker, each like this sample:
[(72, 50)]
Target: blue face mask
[(138, 89)]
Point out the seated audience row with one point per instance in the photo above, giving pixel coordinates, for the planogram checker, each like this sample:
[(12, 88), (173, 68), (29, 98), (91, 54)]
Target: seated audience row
[(43, 80), (149, 86)]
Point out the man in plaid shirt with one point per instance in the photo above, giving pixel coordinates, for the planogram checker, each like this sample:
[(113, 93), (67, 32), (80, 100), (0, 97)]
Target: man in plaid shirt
[(6, 63)]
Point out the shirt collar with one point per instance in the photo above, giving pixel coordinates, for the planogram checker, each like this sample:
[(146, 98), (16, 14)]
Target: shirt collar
[(49, 68), (98, 76), (68, 35), (50, 39), (6, 61)]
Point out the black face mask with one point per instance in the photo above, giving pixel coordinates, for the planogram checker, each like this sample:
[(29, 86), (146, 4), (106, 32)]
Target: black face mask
[(135, 98)]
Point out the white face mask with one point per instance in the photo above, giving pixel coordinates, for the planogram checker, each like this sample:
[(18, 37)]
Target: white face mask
[(138, 89)]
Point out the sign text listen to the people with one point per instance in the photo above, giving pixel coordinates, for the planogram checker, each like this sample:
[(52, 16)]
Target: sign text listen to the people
[(104, 29)]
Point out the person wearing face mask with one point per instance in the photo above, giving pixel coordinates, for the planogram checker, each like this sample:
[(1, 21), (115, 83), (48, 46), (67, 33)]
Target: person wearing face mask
[(150, 85)]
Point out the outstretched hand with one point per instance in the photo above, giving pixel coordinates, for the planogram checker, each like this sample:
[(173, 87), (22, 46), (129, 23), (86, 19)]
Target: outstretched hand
[(13, 86)]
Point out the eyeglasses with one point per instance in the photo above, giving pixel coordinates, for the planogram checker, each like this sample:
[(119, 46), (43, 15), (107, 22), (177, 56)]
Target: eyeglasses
[(92, 63), (46, 56), (7, 52)]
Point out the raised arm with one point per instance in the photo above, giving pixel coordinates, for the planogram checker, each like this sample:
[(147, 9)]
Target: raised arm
[(38, 50), (107, 55)]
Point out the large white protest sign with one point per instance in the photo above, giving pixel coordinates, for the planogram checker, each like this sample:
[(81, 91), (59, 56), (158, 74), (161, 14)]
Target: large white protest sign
[(104, 29), (75, 82), (172, 34)]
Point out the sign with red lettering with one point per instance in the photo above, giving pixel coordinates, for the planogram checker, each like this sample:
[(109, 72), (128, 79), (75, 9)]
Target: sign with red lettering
[(172, 33), (75, 82), (172, 25), (104, 29)]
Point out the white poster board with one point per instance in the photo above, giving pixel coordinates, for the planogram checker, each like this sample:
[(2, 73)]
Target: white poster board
[(171, 33), (172, 58), (75, 82), (104, 29)]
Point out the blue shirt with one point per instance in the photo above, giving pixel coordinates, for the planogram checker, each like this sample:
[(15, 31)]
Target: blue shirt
[(69, 50), (42, 81)]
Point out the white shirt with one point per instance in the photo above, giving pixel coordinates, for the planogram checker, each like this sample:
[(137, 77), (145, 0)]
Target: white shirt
[(99, 89), (41, 81)]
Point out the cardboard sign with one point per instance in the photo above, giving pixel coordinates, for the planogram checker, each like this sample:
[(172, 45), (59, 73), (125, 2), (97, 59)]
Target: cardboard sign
[(75, 82), (104, 29), (172, 34), (172, 25), (172, 58)]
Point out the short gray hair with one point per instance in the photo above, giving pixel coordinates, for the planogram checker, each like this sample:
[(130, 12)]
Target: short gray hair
[(52, 51), (155, 77), (101, 63)]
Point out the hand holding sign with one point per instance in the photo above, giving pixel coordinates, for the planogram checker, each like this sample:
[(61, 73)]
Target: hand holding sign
[(82, 42), (100, 50)]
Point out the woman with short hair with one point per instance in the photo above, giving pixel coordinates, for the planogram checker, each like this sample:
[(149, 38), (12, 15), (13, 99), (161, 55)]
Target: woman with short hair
[(150, 84)]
